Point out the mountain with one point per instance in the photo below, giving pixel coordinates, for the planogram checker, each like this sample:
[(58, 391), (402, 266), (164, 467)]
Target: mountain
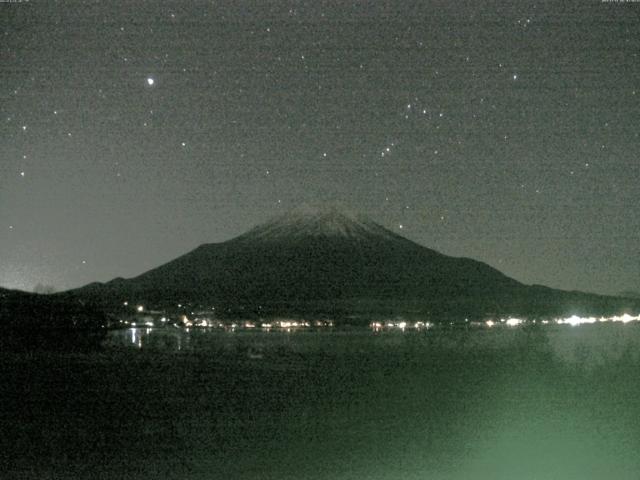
[(33, 321), (325, 262)]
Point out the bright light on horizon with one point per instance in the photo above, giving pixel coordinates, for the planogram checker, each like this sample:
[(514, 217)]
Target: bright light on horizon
[(514, 322), (575, 320)]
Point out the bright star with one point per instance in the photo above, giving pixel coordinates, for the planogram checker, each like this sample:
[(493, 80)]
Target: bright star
[(150, 81)]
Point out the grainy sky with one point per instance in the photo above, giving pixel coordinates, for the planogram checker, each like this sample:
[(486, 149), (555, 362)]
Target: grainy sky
[(131, 132)]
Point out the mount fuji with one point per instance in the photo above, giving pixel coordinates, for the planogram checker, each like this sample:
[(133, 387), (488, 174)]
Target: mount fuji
[(329, 263)]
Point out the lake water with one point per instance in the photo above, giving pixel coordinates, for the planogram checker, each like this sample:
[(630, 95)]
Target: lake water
[(556, 402), (587, 345)]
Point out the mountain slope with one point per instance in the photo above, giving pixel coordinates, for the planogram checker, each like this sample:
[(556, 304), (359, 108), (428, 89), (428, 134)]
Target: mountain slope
[(327, 262)]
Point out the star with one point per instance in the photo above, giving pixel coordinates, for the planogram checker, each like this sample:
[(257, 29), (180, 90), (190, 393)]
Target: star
[(310, 92)]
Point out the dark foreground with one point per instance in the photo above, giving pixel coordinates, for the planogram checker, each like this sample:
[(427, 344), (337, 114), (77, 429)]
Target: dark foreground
[(436, 406)]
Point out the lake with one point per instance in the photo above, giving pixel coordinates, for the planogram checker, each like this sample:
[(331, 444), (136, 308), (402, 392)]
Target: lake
[(492, 403)]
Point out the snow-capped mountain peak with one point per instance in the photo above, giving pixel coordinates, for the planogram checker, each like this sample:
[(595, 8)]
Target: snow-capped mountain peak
[(318, 222)]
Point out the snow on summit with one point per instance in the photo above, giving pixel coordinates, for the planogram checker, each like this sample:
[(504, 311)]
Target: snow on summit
[(310, 222)]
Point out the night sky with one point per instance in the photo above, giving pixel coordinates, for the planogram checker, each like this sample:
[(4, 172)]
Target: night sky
[(132, 132)]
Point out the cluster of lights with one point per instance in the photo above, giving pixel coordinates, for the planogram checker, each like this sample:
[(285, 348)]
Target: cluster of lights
[(514, 322), (200, 322), (510, 322), (248, 324), (140, 324), (387, 150), (290, 324), (186, 322), (400, 325), (573, 320)]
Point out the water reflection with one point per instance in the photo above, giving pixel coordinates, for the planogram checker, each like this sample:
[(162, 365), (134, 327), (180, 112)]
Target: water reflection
[(147, 338), (522, 402), (593, 344)]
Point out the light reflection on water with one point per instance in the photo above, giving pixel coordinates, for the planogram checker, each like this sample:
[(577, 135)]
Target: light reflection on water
[(495, 403), (589, 345), (489, 404)]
